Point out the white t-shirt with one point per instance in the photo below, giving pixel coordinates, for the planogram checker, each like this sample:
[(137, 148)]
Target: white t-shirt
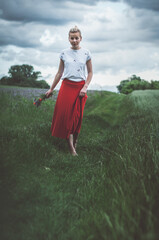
[(75, 63)]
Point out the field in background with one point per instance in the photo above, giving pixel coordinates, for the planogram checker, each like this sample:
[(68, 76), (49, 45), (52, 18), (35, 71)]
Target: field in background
[(110, 191), (29, 93)]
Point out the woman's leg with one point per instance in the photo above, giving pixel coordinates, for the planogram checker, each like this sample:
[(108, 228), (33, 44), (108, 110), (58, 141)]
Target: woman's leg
[(71, 146), (75, 137)]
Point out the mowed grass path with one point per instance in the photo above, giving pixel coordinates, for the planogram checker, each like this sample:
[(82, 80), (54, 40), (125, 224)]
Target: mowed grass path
[(110, 191)]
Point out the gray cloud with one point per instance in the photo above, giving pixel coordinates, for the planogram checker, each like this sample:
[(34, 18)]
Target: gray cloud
[(22, 22), (18, 34), (57, 12), (49, 12), (147, 4), (137, 26), (121, 37)]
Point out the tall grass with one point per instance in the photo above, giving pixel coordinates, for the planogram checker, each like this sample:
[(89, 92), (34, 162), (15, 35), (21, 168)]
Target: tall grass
[(110, 191)]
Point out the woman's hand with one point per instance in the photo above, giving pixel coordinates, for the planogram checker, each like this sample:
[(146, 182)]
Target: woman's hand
[(83, 91), (48, 93)]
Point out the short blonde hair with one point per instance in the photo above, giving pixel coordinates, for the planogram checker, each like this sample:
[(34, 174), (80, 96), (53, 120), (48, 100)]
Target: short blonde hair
[(75, 29)]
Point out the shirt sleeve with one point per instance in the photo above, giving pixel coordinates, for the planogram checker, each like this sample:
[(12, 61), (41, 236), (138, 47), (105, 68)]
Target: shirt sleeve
[(88, 56), (62, 55)]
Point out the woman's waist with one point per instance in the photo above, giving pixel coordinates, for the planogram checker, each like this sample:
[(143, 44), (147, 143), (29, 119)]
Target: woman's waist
[(72, 82)]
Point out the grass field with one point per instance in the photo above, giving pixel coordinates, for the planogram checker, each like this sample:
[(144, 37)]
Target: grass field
[(109, 192)]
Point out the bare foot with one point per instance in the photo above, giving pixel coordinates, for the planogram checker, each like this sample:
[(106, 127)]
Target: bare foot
[(71, 146), (74, 153)]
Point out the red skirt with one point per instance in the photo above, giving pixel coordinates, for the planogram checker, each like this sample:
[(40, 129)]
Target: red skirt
[(68, 111)]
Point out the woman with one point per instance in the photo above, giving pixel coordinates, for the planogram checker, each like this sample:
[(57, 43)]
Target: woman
[(68, 112)]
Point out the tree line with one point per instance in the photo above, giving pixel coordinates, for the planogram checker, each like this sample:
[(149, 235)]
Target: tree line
[(136, 83), (23, 76)]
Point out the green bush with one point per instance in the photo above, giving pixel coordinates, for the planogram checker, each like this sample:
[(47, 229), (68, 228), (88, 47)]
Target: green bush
[(136, 83), (23, 76)]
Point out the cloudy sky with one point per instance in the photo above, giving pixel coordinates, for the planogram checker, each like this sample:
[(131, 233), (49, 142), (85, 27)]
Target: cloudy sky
[(122, 35)]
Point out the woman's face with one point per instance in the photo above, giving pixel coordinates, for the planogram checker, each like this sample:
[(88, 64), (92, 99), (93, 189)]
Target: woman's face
[(74, 39)]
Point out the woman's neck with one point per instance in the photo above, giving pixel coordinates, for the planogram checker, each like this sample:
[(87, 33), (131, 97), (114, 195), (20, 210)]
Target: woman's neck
[(75, 48)]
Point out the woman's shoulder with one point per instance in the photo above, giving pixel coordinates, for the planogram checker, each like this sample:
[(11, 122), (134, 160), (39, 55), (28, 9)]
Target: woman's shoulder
[(64, 53), (65, 50), (86, 51)]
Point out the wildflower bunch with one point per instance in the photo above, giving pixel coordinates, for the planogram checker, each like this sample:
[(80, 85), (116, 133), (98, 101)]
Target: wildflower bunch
[(37, 102)]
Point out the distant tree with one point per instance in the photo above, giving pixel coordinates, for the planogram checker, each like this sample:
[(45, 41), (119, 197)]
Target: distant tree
[(6, 80), (135, 83), (154, 84), (134, 78), (122, 84), (42, 84), (24, 75)]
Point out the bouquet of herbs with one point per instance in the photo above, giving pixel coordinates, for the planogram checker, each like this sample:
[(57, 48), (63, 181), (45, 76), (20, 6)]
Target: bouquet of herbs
[(43, 97)]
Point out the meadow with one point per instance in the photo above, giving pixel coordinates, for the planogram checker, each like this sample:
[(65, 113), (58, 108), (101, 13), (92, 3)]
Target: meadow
[(109, 192)]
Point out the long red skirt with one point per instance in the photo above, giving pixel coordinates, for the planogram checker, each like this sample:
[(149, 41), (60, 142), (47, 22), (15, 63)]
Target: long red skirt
[(68, 111)]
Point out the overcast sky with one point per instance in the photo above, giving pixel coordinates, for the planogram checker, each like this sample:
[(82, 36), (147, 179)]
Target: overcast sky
[(122, 35)]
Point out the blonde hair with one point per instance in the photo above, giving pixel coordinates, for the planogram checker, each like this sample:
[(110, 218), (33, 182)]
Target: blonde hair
[(75, 29)]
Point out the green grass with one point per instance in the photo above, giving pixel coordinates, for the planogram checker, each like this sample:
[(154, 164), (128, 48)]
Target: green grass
[(109, 192)]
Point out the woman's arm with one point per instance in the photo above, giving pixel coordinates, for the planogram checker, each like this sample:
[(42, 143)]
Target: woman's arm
[(89, 77), (57, 78)]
